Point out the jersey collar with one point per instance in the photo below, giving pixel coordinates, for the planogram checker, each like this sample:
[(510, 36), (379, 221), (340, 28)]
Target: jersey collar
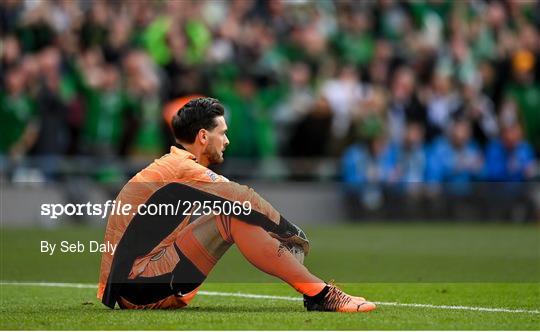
[(182, 153)]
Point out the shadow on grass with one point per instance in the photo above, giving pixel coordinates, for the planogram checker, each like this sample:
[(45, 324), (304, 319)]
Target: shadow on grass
[(98, 308)]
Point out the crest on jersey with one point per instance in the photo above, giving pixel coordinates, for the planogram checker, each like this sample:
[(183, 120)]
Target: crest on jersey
[(213, 176)]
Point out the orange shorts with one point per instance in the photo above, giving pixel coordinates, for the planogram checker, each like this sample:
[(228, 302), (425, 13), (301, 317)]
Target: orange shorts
[(185, 263)]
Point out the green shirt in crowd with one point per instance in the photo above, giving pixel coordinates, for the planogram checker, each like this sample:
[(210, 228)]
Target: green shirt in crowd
[(528, 99), (104, 120), (16, 112)]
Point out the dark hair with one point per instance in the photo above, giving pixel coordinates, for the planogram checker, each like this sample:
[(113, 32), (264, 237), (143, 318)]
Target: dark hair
[(197, 114)]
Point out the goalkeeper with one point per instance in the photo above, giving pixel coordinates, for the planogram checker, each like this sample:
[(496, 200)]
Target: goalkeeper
[(161, 261)]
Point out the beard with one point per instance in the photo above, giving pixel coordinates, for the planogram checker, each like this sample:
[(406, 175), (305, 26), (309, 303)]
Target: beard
[(213, 155)]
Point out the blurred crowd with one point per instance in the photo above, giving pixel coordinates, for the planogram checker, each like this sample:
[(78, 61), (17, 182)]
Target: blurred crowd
[(399, 91)]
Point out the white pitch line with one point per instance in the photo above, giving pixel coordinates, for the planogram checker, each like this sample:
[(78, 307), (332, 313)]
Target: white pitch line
[(457, 307), (251, 296), (48, 284), (286, 298)]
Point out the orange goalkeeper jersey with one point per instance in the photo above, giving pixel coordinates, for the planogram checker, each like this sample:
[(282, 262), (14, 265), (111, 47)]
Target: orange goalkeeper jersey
[(177, 167)]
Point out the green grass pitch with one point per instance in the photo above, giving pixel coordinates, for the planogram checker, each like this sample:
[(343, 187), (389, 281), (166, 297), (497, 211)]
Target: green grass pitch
[(472, 265)]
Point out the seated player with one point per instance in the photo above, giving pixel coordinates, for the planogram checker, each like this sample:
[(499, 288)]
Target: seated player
[(161, 260)]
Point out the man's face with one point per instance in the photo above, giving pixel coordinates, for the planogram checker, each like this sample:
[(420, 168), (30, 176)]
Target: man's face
[(460, 133), (512, 135), (217, 142), (414, 135)]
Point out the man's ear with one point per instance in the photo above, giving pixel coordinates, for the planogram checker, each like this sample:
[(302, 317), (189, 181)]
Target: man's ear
[(202, 136)]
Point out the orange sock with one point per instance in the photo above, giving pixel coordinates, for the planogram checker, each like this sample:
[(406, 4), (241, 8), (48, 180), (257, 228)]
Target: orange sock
[(265, 253)]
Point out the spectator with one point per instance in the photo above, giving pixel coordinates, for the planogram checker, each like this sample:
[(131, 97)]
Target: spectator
[(352, 43), (510, 158), (410, 160), (11, 52), (443, 103), (455, 160), (296, 103), (343, 93), (106, 108), (366, 165), (404, 103), (458, 60), (143, 99), (17, 115), (481, 111), (52, 113), (94, 29), (510, 162), (249, 122), (311, 135), (526, 91)]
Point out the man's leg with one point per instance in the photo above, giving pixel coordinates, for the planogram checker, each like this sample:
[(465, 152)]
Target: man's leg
[(208, 238), (269, 255)]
